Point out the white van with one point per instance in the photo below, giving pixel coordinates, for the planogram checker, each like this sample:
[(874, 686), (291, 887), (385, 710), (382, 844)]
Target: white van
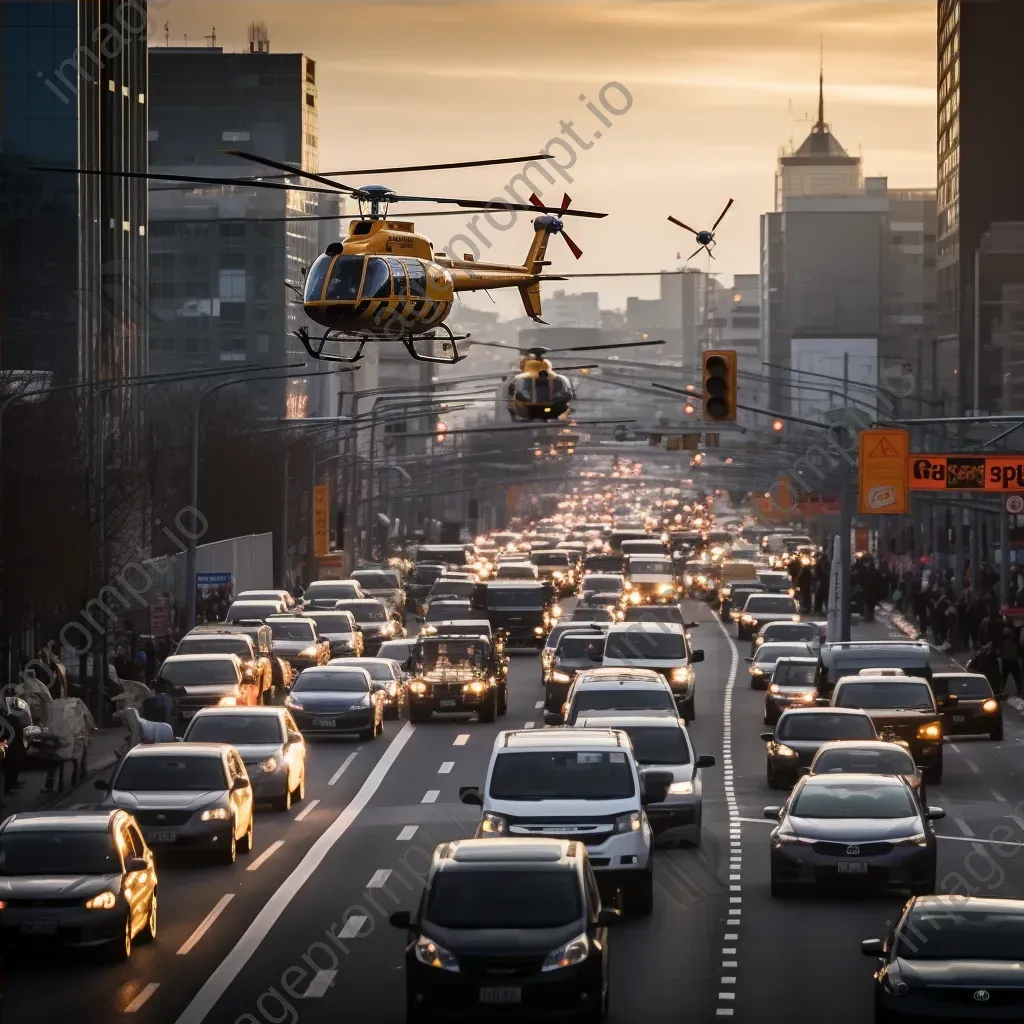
[(576, 784), (662, 646)]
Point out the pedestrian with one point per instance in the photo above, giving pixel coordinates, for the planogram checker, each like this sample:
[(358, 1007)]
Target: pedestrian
[(1009, 659)]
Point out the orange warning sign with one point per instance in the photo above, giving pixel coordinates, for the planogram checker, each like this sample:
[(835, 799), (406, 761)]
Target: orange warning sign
[(884, 455)]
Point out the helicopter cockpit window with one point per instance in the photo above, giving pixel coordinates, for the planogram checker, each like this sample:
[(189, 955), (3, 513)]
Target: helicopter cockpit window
[(315, 278), (417, 278), (549, 389), (378, 281), (399, 276), (345, 278)]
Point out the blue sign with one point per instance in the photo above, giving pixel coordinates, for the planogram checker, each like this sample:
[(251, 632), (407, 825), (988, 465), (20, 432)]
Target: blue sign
[(213, 579)]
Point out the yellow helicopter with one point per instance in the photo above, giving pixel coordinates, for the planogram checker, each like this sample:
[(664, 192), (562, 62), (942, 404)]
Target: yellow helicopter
[(538, 391), (384, 282)]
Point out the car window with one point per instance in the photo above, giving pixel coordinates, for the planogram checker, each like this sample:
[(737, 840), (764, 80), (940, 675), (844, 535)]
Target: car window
[(891, 695), (771, 604), (804, 726), (853, 801), (237, 729), (965, 687), (504, 898), (960, 933), (592, 698), (794, 675), (204, 672), (58, 853), (772, 652), (220, 645), (641, 644), (331, 682), (562, 775), (576, 648), (293, 630), (658, 744), (869, 761), (170, 773)]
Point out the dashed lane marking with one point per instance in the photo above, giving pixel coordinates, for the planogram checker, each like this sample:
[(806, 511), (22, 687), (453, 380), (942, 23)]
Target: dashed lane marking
[(321, 982), (461, 740), (446, 768), (407, 833), (352, 927), (539, 705), (341, 771), (380, 879), (139, 1001), (265, 855), (529, 725), (430, 796), (306, 810), (206, 924)]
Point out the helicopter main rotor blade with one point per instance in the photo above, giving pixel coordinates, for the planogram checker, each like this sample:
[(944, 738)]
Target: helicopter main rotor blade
[(690, 257), (293, 170), (586, 366), (621, 344), (616, 273), (721, 215), (686, 227), (243, 182), (480, 204)]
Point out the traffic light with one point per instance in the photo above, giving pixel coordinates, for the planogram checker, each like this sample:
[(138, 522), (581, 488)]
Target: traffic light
[(719, 377)]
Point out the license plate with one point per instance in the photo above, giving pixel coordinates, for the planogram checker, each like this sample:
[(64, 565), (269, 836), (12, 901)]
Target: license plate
[(161, 837), (324, 723), (504, 994), (39, 928), (187, 713), (852, 867), (448, 703), (959, 718)]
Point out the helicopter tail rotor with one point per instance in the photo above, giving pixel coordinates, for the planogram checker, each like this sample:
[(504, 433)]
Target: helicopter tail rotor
[(573, 247)]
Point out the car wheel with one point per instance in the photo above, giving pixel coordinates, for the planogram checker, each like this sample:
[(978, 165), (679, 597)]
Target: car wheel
[(148, 933), (503, 700), (247, 839), (489, 711), (997, 732), (300, 789), (639, 894), (123, 949), (284, 803), (230, 855), (688, 710)]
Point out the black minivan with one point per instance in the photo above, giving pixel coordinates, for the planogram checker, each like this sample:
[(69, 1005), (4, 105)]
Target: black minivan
[(847, 658)]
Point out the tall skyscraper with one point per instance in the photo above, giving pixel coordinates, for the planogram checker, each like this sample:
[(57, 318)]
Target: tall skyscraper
[(73, 269), (980, 156)]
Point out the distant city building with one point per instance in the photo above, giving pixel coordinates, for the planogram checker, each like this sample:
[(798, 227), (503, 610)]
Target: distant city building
[(738, 323), (979, 158), (579, 310), (679, 315), (73, 276)]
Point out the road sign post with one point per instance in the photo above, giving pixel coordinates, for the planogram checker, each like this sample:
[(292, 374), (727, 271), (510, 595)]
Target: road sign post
[(882, 470)]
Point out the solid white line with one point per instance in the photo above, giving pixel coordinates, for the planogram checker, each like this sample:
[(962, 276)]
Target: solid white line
[(352, 927), (380, 879), (407, 833), (446, 768), (430, 796), (265, 855), (461, 740), (305, 810), (757, 821), (341, 771), (321, 982), (988, 842), (138, 1002), (207, 922), (219, 982)]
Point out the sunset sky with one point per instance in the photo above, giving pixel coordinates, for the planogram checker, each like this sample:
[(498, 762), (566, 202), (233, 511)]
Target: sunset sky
[(717, 87)]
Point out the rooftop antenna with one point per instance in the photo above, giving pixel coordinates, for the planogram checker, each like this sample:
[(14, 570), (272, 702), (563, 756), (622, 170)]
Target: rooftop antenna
[(259, 38), (167, 33), (212, 37), (186, 39)]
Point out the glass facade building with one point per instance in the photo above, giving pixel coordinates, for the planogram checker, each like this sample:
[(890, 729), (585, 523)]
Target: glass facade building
[(73, 265)]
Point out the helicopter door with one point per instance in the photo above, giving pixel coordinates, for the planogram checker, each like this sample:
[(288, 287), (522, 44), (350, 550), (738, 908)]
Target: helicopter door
[(524, 390), (399, 277), (346, 274), (316, 277), (377, 283)]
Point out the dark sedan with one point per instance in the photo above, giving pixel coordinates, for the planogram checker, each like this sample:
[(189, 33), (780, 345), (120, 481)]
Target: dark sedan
[(951, 957), (799, 734), (791, 686), (869, 757), (786, 632), (335, 700), (574, 653), (860, 830), (375, 622), (978, 711)]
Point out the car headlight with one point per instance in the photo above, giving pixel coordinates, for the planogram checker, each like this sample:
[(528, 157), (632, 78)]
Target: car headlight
[(666, 588), (430, 953), (215, 814), (791, 592), (681, 789), (628, 822), (688, 580), (558, 575), (538, 630), (681, 675), (308, 652), (270, 765), (774, 688), (755, 671), (230, 701), (575, 951), (474, 687), (556, 612), (392, 689), (932, 731), (920, 839), (561, 677), (807, 698), (748, 619), (796, 618), (418, 687), (783, 751), (990, 706), (104, 901), (492, 824), (634, 597), (547, 656), (293, 702)]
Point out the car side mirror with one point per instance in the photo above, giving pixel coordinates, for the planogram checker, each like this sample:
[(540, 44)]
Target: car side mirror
[(608, 917), (239, 784), (936, 813), (804, 771), (294, 737), (400, 919), (772, 813), (134, 864), (697, 655), (552, 718), (749, 661), (767, 736), (470, 795), (102, 785), (873, 948), (705, 761)]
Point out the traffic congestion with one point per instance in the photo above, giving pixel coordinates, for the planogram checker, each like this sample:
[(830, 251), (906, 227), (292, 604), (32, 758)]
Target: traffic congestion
[(603, 764)]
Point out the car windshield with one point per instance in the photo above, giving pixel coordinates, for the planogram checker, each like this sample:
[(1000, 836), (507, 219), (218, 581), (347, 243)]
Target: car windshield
[(965, 687), (794, 675), (823, 726), (330, 591), (776, 631), (602, 563), (892, 695), (48, 854), (591, 615), (869, 761), (650, 567), (331, 622), (641, 644), (399, 650), (592, 698), (378, 670), (562, 775), (331, 682), (603, 582), (201, 672), (517, 571), (655, 613), (771, 604), (236, 729), (856, 800), (850, 663), (366, 611), (658, 744), (452, 588), (772, 652), (531, 598), (504, 898), (376, 580), (254, 610), (171, 774), (959, 933), (219, 645), (451, 654), (426, 573), (579, 648), (440, 611), (548, 559), (292, 630)]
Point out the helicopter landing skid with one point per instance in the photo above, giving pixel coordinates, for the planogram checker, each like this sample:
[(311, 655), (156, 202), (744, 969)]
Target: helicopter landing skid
[(448, 342), (315, 346)]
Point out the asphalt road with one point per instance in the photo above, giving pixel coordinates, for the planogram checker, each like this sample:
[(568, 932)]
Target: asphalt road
[(297, 930)]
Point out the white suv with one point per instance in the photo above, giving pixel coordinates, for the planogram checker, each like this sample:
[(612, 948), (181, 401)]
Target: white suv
[(576, 784)]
